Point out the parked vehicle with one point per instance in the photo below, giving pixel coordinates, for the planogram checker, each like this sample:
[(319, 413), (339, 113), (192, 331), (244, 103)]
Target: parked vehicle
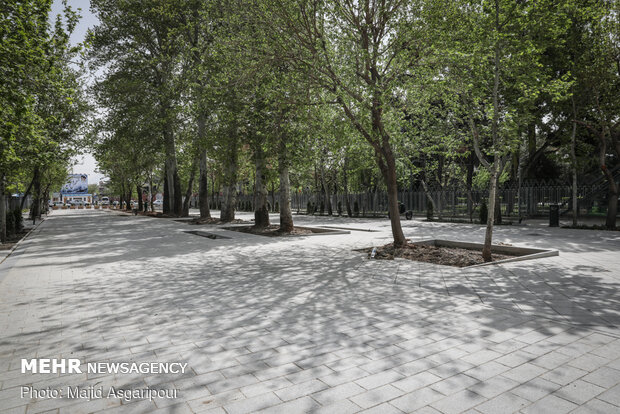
[(105, 201), (158, 203)]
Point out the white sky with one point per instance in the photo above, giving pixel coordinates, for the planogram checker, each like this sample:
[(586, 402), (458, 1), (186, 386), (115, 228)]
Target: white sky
[(85, 164)]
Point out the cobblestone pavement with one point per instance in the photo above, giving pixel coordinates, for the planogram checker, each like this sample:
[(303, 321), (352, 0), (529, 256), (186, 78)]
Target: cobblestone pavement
[(307, 325)]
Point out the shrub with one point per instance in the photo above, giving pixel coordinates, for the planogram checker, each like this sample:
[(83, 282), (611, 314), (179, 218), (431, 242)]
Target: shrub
[(484, 213), (429, 210)]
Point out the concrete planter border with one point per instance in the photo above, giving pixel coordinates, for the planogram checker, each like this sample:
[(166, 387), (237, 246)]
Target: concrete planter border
[(519, 253)]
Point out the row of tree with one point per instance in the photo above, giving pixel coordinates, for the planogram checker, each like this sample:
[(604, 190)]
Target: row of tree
[(344, 95), (41, 102)]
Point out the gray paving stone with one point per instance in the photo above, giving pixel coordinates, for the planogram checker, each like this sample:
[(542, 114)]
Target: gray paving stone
[(341, 321), (265, 386), (384, 408), (341, 377), (611, 396), (458, 402), (524, 373), (253, 404), (535, 389), (550, 404), (604, 377), (340, 407), (595, 406), (416, 381), (299, 390), (453, 384), (506, 403), (487, 370), (300, 405), (564, 374), (579, 391), (337, 393), (493, 387), (377, 380), (376, 396)]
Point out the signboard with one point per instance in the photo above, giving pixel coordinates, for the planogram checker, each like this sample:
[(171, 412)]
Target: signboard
[(76, 184)]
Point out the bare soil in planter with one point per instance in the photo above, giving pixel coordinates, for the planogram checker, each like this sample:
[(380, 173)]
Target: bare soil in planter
[(272, 231), (12, 239), (213, 221), (447, 256)]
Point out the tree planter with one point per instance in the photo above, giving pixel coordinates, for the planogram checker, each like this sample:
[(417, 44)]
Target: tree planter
[(446, 252)]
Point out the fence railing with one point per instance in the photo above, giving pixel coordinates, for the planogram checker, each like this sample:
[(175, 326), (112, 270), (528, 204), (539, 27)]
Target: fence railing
[(527, 201)]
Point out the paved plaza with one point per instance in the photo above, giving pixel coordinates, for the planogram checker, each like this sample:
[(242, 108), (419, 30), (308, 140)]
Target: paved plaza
[(306, 324)]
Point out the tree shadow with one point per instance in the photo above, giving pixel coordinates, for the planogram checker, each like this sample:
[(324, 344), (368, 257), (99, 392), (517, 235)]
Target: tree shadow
[(249, 309)]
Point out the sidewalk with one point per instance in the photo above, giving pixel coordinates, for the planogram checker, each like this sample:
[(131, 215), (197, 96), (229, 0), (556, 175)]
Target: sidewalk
[(307, 325)]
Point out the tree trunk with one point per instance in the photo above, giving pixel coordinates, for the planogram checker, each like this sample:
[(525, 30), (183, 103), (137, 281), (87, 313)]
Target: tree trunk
[(166, 200), (498, 208), (470, 178), (261, 211), (35, 210), (573, 155), (392, 189), (173, 183), (488, 236), (495, 170), (612, 194), (178, 195), (2, 209), (128, 205), (328, 199), (139, 192), (428, 195), (190, 188), (345, 188), (612, 204), (227, 212), (21, 204), (286, 216), (150, 200), (203, 188)]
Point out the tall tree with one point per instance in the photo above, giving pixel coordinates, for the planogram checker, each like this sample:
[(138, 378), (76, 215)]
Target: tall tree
[(358, 52)]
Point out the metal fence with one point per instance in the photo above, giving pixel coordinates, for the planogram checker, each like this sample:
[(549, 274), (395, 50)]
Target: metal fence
[(529, 200)]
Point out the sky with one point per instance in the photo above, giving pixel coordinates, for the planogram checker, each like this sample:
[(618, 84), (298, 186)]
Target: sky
[(86, 162)]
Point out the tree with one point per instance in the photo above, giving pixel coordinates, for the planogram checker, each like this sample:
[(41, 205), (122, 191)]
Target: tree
[(142, 39), (359, 53), (497, 48)]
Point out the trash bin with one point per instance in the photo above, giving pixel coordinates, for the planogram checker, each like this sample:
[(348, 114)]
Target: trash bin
[(554, 215)]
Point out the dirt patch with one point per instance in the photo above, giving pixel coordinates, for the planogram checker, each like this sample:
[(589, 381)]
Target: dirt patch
[(272, 231), (592, 227), (214, 221), (447, 256), (12, 240)]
